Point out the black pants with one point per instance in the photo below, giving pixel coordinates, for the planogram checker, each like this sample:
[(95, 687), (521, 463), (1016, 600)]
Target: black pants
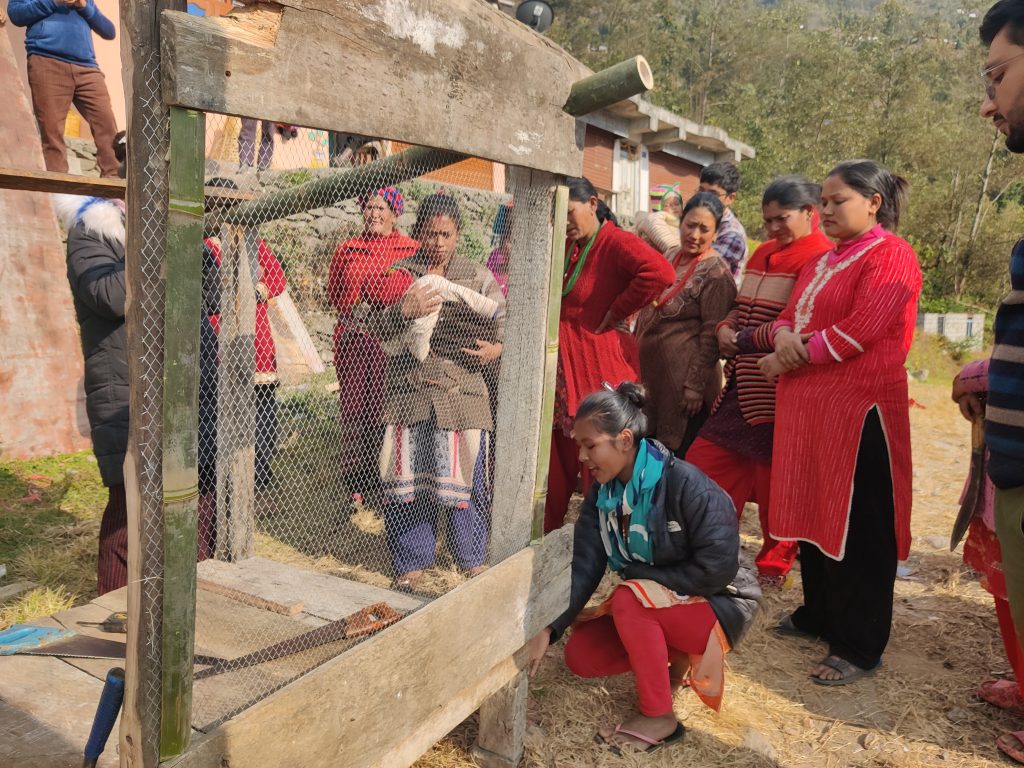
[(849, 602)]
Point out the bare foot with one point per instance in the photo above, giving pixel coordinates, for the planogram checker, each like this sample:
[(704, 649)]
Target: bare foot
[(654, 728)]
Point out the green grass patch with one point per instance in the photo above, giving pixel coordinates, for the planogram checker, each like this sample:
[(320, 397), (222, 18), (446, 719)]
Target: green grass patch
[(50, 511)]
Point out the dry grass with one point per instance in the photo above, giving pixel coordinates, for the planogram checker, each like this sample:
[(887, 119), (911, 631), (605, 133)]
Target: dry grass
[(919, 710)]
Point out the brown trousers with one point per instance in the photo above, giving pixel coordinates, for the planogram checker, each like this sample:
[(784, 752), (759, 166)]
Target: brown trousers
[(56, 85)]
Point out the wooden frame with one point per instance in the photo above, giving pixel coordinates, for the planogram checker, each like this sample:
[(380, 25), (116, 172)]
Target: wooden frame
[(408, 674)]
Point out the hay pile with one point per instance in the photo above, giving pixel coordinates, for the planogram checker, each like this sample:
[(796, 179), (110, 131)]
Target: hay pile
[(919, 710)]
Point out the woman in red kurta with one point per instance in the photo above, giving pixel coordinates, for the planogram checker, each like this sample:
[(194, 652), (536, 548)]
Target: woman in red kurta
[(841, 475), (609, 275), (359, 266)]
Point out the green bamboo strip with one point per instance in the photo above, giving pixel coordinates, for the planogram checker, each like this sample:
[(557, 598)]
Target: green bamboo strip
[(342, 185), (609, 86), (182, 312), (547, 410)]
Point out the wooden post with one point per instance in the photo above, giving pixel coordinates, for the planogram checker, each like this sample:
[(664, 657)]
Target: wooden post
[(182, 313), (236, 427), (145, 246), (502, 734), (604, 88), (520, 417), (526, 403)]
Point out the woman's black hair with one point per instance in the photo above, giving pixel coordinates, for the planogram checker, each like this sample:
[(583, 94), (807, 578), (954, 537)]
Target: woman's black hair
[(581, 190), (613, 410), (869, 178), (438, 204), (710, 202), (792, 193)]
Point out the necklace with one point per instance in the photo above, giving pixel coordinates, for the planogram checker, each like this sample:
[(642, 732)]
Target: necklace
[(568, 286), (822, 274)]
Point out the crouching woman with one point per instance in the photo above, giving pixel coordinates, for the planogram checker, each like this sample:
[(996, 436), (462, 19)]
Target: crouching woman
[(671, 535)]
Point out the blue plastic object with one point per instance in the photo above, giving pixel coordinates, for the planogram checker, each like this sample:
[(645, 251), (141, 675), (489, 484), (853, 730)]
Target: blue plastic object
[(20, 637)]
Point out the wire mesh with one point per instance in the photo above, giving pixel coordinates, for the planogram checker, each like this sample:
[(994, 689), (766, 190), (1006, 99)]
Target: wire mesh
[(355, 296)]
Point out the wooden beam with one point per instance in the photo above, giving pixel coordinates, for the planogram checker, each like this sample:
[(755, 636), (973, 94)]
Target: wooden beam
[(146, 242), (236, 416), (419, 677), (92, 186), (470, 78), (182, 311), (503, 726), (64, 183), (610, 86), (520, 424)]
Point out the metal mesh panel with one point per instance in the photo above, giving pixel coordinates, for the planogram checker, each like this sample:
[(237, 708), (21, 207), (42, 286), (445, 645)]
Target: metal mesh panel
[(354, 311)]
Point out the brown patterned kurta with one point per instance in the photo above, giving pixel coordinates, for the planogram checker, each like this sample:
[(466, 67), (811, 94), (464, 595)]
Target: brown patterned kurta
[(679, 348)]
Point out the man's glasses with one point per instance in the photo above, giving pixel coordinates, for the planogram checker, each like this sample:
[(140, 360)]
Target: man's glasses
[(990, 82)]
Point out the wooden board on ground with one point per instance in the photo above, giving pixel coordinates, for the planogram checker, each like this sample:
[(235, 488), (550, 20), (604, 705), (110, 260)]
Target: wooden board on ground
[(46, 710), (327, 597), (403, 677), (290, 608)]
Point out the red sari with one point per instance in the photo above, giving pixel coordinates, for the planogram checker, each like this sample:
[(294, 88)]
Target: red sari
[(864, 320), (358, 268)]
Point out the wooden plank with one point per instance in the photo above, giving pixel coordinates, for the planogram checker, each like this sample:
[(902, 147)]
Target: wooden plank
[(247, 598), (63, 183), (148, 127), (71, 619), (322, 595), (56, 702), (297, 357), (450, 712), (17, 589), (521, 381), (182, 310), (402, 676), (472, 79), (70, 184), (236, 424), (503, 725)]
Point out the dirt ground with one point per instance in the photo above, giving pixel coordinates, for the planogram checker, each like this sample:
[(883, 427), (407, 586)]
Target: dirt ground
[(919, 710)]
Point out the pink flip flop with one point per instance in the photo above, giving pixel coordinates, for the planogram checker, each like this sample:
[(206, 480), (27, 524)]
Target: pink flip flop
[(653, 744)]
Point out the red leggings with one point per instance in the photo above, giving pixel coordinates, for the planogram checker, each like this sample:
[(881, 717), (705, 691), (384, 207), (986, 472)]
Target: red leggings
[(642, 641), (563, 469), (745, 480)]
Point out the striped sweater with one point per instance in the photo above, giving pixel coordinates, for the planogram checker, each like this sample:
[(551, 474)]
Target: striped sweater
[(767, 282), (1004, 415)]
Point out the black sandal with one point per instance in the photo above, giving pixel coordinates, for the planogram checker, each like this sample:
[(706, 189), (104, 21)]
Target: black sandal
[(787, 628), (850, 672)]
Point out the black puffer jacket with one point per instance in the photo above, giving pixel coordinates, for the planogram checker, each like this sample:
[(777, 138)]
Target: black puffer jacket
[(696, 549), (95, 261)]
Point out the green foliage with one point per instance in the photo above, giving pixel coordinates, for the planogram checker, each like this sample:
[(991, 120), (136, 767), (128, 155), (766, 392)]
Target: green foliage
[(808, 84)]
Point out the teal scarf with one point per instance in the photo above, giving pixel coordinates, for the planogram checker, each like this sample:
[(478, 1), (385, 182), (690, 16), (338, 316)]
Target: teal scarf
[(615, 501)]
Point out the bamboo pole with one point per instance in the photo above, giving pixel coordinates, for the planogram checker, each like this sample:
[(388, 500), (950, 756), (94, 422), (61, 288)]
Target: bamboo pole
[(540, 483), (609, 86), (342, 185), (182, 312)]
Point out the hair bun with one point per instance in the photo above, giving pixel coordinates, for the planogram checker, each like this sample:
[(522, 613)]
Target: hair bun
[(633, 392)]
